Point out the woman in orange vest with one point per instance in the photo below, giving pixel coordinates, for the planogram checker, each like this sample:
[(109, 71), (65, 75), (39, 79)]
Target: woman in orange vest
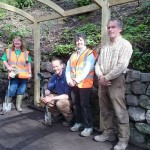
[(18, 63), (79, 75)]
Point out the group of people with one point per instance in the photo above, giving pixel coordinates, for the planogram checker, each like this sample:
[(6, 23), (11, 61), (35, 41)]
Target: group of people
[(74, 82)]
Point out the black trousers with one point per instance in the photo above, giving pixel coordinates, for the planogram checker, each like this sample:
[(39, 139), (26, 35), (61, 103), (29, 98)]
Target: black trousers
[(81, 105)]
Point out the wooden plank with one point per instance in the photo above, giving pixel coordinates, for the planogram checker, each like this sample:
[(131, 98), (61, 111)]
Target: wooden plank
[(18, 11), (53, 6), (105, 38), (37, 59), (105, 18), (118, 2), (98, 2), (48, 17), (81, 10)]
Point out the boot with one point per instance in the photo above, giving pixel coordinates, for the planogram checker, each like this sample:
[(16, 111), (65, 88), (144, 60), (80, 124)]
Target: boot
[(19, 102)]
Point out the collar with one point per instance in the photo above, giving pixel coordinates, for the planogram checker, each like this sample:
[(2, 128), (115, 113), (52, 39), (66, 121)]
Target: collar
[(79, 51), (116, 40), (62, 75)]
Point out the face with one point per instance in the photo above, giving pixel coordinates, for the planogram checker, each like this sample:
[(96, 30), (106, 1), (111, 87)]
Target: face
[(80, 43), (17, 43), (113, 29), (57, 67)]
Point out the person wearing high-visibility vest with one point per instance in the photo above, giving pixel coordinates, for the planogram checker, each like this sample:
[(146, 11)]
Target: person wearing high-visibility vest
[(17, 57), (79, 75)]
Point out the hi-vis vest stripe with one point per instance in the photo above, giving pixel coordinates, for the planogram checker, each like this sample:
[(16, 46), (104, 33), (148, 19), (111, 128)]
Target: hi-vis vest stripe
[(21, 62), (77, 65)]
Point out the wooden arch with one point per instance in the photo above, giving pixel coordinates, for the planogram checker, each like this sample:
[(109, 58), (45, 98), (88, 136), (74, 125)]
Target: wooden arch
[(97, 4)]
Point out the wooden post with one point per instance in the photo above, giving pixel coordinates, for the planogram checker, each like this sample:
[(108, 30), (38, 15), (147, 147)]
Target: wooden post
[(105, 38), (37, 59)]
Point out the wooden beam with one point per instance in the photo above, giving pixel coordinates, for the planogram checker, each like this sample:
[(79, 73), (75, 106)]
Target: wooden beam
[(105, 17), (53, 6), (48, 17), (37, 59), (81, 10), (98, 2), (105, 38), (18, 11), (118, 2), (71, 12)]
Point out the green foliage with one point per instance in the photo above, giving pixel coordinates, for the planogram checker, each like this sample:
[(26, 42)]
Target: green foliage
[(140, 61), (136, 30), (83, 2), (24, 3), (9, 31), (19, 3), (2, 14), (66, 49)]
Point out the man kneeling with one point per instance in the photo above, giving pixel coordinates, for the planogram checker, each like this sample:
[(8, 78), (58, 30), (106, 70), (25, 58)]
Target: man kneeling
[(60, 103)]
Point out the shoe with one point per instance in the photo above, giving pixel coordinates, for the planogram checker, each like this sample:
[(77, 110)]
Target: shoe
[(76, 127), (104, 137), (66, 123), (87, 132), (56, 118), (121, 145)]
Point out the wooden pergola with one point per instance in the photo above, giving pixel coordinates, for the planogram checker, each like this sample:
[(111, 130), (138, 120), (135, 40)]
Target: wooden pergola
[(105, 5)]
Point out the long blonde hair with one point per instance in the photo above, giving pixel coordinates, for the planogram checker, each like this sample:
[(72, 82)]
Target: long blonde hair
[(22, 48)]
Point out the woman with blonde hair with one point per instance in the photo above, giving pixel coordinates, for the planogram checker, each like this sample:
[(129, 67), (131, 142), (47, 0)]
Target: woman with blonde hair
[(18, 63)]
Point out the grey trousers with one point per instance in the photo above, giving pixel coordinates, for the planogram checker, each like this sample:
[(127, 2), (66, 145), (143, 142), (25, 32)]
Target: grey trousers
[(112, 104)]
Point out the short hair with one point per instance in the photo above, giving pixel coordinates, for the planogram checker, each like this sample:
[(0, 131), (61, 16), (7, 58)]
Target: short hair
[(119, 22), (80, 35), (55, 58)]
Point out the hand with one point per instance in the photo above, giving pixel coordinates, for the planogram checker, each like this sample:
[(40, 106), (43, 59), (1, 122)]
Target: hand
[(103, 81), (9, 68), (30, 76), (72, 83)]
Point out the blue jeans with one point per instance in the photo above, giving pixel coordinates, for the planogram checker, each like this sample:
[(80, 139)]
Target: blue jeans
[(17, 86)]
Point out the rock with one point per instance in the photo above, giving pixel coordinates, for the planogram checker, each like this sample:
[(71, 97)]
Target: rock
[(136, 113), (128, 89), (144, 101), (132, 100), (148, 90), (148, 117), (46, 66), (137, 136), (145, 77), (47, 75), (138, 87), (133, 76), (143, 128)]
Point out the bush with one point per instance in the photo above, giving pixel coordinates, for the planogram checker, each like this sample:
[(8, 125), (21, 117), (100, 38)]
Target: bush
[(83, 2)]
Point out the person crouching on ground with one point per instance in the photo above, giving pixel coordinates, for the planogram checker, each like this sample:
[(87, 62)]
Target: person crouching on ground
[(79, 75), (60, 103)]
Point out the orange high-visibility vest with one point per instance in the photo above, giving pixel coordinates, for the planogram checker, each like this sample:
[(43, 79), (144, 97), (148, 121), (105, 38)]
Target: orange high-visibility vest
[(21, 62), (77, 66)]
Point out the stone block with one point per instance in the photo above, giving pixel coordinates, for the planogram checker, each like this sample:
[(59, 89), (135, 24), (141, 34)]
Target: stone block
[(133, 76), (148, 117), (148, 91), (138, 87), (137, 136), (128, 89), (145, 77), (144, 101), (132, 100), (136, 113), (143, 128)]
